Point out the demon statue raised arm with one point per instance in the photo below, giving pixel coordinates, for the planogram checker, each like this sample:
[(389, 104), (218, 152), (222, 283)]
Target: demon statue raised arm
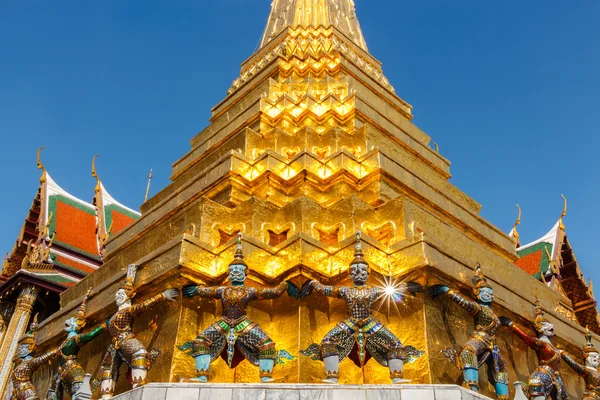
[(545, 382), (361, 330), (589, 371), (481, 346), (125, 346), (70, 375), (26, 364), (234, 334)]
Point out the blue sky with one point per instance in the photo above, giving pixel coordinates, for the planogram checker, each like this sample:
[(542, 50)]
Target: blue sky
[(509, 90)]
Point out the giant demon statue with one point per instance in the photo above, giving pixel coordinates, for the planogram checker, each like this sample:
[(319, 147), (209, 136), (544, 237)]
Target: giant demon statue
[(125, 346), (545, 382), (26, 364), (70, 375), (234, 336), (589, 371), (481, 346), (361, 332)]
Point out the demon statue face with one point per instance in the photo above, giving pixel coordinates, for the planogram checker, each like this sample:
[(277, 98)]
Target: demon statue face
[(486, 295), (121, 297), (547, 329), (359, 273), (237, 274)]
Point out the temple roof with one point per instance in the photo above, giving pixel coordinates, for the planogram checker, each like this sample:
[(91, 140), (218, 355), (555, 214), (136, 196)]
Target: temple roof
[(111, 216), (314, 13), (551, 259), (536, 257), (60, 242)]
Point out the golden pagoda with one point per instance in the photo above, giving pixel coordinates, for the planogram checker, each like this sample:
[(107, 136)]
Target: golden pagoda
[(310, 145)]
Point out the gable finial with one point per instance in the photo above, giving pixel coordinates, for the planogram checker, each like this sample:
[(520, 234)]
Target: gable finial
[(95, 174), (561, 225), (517, 223), (40, 165)]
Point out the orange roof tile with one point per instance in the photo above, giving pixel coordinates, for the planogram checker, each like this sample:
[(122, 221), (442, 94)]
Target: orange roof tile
[(530, 263), (75, 227), (85, 269), (120, 221)]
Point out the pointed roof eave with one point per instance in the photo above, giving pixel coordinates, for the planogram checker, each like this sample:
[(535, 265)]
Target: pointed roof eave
[(53, 189), (550, 238), (32, 227), (340, 14), (109, 200), (514, 235), (103, 199), (581, 292)]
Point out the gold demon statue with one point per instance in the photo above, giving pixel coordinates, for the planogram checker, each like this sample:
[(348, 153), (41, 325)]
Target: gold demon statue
[(26, 364), (361, 336), (481, 346), (589, 371), (125, 346), (545, 382), (70, 375), (234, 337)]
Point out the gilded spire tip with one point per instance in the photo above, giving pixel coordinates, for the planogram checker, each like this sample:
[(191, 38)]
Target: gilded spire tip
[(517, 223), (314, 14), (95, 174), (150, 175), (563, 214), (40, 165)]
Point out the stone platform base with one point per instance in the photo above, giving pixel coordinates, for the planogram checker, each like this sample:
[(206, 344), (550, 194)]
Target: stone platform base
[(209, 391)]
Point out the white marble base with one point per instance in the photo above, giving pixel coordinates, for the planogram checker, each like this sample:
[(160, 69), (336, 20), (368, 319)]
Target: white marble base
[(210, 391)]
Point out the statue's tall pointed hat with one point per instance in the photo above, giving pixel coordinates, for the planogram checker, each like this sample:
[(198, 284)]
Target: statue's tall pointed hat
[(80, 317), (238, 257), (29, 337), (129, 284), (359, 256), (540, 318), (589, 346), (479, 280)]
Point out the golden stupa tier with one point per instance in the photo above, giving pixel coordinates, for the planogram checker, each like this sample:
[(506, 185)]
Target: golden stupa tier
[(310, 145)]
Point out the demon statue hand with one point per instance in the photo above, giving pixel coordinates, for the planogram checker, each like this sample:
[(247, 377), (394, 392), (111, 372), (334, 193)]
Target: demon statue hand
[(545, 382), (26, 364), (481, 346), (589, 371), (361, 331), (125, 347), (235, 336), (70, 375)]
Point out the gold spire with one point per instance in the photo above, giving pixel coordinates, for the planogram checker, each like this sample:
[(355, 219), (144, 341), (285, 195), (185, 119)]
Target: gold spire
[(148, 186), (95, 174), (479, 280), (517, 223), (313, 14), (539, 320), (564, 214), (81, 315), (238, 258), (359, 255), (589, 345), (40, 165)]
